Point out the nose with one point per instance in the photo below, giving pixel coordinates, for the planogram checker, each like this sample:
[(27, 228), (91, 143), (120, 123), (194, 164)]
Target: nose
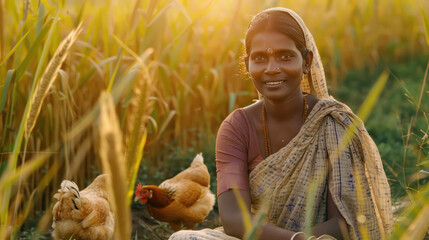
[(272, 67)]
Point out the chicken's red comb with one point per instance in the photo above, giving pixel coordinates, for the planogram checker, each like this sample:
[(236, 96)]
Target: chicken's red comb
[(139, 187)]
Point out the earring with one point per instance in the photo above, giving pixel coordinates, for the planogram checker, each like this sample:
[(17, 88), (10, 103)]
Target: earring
[(306, 68)]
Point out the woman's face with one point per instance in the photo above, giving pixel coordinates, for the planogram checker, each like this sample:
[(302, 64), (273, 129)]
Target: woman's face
[(276, 65)]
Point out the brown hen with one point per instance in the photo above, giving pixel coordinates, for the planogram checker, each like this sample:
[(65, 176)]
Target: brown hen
[(184, 199), (83, 215)]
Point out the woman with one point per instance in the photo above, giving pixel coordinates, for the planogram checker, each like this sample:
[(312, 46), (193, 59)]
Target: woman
[(297, 152)]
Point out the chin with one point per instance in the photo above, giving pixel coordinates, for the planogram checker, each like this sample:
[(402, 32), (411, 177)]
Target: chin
[(281, 94), (275, 96)]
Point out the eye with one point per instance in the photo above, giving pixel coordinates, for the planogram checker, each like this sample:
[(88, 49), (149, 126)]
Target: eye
[(285, 56), (258, 58)]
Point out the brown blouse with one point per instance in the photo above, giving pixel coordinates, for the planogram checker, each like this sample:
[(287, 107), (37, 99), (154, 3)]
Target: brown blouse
[(237, 152)]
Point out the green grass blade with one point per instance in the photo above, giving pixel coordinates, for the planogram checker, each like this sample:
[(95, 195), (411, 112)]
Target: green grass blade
[(2, 10), (80, 15), (9, 178), (46, 3), (40, 18), (422, 90), (247, 221), (127, 49), (258, 221), (370, 101), (9, 77), (13, 49), (426, 24), (165, 123), (183, 11), (159, 14), (135, 168), (115, 72), (23, 66), (43, 57), (414, 222)]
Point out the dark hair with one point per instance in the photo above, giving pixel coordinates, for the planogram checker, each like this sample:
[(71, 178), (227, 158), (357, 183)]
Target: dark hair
[(277, 21)]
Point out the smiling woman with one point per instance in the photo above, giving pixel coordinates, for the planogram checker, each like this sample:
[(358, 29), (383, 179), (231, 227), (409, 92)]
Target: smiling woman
[(276, 65), (297, 151)]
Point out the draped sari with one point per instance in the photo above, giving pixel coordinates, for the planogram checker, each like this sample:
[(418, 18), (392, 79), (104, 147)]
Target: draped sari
[(332, 152)]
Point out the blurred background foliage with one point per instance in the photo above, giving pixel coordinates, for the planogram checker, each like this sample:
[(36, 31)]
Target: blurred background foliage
[(180, 60)]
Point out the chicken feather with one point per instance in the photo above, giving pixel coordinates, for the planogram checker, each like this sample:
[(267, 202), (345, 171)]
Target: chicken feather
[(184, 199), (83, 214)]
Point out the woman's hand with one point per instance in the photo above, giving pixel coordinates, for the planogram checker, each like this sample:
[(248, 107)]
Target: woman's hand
[(232, 220), (336, 225)]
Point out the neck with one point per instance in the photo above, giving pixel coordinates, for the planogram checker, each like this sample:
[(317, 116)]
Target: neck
[(160, 197), (285, 110)]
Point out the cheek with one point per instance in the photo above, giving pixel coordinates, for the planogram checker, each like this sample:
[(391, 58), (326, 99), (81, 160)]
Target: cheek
[(295, 68), (255, 70)]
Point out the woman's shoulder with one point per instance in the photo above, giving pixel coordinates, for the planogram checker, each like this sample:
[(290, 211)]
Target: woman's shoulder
[(253, 109), (237, 115), (338, 113), (329, 109), (235, 123), (244, 114), (328, 104)]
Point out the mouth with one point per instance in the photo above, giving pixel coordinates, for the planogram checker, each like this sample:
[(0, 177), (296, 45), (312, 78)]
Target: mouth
[(274, 83)]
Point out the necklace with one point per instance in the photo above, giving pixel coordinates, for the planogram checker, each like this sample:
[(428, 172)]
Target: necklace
[(264, 121)]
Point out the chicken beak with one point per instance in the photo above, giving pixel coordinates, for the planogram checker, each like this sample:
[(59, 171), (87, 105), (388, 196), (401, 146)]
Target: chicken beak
[(137, 198)]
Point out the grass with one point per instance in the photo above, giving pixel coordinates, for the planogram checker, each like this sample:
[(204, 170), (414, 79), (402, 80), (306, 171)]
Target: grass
[(173, 72)]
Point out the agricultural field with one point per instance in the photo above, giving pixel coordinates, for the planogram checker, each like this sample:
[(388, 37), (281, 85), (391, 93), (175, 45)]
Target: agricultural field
[(141, 87)]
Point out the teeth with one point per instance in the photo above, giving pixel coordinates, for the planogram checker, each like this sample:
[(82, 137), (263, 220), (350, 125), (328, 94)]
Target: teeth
[(274, 83)]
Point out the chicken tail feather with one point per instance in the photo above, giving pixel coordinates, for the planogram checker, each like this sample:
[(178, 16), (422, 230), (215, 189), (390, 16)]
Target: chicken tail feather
[(198, 160), (69, 186)]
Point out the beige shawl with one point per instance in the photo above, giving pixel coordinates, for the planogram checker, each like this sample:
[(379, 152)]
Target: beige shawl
[(323, 156)]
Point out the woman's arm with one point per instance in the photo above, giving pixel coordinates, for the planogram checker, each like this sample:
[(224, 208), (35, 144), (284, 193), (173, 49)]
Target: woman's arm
[(232, 220), (336, 225)]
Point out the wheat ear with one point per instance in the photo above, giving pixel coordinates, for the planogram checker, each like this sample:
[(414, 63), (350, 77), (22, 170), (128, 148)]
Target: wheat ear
[(48, 78), (112, 157)]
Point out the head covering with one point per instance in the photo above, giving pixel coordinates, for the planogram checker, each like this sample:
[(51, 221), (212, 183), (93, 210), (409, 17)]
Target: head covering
[(315, 81)]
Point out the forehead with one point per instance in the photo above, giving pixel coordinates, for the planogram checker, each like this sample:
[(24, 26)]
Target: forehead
[(270, 39)]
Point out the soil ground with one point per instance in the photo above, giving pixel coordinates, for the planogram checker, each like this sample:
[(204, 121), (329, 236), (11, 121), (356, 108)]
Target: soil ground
[(144, 226)]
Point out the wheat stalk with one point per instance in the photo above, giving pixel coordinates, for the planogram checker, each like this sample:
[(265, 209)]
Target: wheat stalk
[(48, 78), (113, 159), (27, 8), (1, 30)]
